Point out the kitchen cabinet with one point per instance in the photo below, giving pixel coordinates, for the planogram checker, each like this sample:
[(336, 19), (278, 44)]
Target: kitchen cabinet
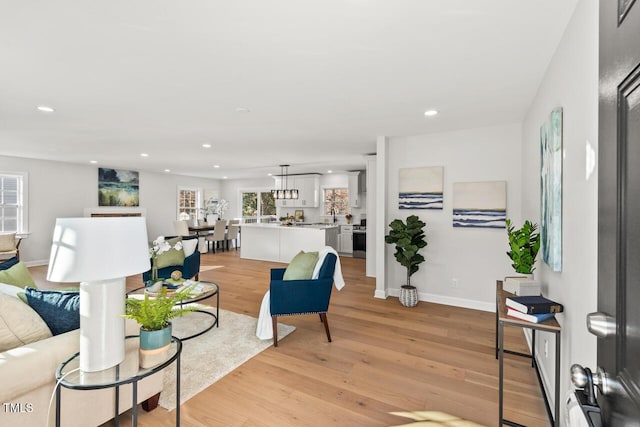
[(345, 239), (354, 189), (308, 191)]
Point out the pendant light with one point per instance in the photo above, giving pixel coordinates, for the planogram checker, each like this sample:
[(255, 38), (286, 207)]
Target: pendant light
[(284, 192)]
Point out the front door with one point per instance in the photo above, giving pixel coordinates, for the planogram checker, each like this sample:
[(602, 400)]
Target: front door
[(619, 210)]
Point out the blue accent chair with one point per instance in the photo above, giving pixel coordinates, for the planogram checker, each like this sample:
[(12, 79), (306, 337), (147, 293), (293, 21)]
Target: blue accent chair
[(190, 268), (293, 297)]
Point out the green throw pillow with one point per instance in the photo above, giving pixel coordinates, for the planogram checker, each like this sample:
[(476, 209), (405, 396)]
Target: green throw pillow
[(17, 275), (172, 257), (301, 266)]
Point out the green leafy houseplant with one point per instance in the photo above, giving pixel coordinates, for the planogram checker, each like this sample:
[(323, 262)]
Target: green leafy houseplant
[(524, 244), (409, 238), (155, 313)]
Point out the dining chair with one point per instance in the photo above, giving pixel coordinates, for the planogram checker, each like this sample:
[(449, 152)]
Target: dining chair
[(219, 234), (181, 228), (232, 233)]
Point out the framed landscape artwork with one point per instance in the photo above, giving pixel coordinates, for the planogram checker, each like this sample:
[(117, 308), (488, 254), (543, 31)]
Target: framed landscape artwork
[(480, 204), (421, 188), (118, 187), (551, 190)]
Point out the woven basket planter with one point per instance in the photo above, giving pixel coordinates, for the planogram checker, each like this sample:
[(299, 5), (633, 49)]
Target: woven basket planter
[(408, 296)]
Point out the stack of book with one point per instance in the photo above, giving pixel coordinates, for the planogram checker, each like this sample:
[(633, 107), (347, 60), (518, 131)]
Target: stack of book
[(533, 309)]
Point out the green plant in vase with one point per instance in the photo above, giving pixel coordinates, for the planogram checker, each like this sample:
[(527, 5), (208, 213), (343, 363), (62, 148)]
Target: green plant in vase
[(524, 244), (154, 315), (409, 238)]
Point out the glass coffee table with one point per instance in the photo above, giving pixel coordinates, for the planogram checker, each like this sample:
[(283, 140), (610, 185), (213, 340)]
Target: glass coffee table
[(206, 290)]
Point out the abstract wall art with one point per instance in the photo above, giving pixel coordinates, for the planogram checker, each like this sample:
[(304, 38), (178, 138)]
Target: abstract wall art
[(118, 187), (551, 190), (421, 188), (480, 204)]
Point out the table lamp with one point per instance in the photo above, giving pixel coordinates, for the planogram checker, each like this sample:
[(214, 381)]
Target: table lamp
[(99, 253)]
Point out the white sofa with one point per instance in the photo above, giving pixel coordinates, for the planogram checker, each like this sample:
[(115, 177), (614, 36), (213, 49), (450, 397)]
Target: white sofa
[(27, 381)]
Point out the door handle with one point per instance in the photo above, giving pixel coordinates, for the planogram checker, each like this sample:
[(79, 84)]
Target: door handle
[(601, 325), (584, 378)]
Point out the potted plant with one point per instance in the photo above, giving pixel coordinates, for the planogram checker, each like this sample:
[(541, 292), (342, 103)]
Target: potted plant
[(524, 244), (409, 238), (154, 314), (349, 217)]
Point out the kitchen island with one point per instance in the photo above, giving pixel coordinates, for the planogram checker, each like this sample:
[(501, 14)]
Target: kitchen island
[(280, 243)]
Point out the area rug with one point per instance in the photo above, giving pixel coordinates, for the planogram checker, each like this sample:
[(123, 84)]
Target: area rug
[(212, 355)]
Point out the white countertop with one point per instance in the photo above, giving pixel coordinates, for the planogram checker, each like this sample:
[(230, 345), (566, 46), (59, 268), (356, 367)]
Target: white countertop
[(293, 227)]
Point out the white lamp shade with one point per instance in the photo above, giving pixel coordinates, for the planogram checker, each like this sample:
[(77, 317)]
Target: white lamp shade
[(92, 249)]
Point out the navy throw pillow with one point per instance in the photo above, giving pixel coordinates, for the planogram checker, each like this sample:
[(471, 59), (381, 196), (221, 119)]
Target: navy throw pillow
[(60, 310), (8, 263)]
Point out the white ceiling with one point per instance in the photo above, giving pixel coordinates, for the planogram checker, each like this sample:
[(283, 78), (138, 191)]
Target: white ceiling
[(321, 78)]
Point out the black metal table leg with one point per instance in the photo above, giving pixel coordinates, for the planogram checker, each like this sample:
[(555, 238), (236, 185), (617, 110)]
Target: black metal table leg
[(178, 391), (58, 391), (134, 403), (501, 372)]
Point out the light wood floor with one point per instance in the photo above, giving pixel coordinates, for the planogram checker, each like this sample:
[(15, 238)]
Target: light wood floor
[(383, 358)]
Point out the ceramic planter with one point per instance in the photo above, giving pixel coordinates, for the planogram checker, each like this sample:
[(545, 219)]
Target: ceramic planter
[(154, 346), (408, 296)]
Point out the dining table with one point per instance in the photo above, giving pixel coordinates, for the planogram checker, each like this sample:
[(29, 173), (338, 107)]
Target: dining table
[(201, 230)]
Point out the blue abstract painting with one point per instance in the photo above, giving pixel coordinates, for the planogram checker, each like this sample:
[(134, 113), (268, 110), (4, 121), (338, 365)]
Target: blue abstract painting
[(551, 190), (480, 204), (421, 188)]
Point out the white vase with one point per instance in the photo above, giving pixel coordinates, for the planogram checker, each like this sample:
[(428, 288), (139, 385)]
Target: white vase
[(408, 296)]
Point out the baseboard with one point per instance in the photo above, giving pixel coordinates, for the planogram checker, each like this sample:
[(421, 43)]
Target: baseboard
[(447, 300), (380, 294), (36, 263)]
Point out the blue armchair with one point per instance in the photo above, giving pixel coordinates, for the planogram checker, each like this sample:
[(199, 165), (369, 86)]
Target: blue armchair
[(190, 268), (292, 297)]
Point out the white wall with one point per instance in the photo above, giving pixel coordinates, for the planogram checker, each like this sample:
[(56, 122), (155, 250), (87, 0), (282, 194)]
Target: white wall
[(570, 82), (59, 189), (475, 257)]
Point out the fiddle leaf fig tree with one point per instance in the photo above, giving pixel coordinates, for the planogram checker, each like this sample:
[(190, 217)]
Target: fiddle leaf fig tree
[(409, 238), (524, 244)]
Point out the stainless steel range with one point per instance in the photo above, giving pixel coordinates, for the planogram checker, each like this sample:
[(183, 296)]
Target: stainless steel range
[(359, 241)]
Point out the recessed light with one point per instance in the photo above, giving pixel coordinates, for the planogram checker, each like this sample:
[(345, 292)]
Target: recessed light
[(224, 177), (430, 113), (93, 162), (329, 171), (144, 155), (242, 110), (167, 170), (216, 166), (269, 174), (45, 109), (206, 145)]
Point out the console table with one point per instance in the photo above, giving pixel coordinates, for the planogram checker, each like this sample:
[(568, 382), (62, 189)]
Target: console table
[(69, 375), (550, 325)]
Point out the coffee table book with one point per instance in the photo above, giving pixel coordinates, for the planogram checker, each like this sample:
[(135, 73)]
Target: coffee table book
[(533, 318), (534, 305)]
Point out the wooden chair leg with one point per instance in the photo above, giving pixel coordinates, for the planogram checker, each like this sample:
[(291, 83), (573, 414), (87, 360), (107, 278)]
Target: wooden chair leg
[(274, 322), (323, 316), (151, 403), (197, 276), (320, 315)]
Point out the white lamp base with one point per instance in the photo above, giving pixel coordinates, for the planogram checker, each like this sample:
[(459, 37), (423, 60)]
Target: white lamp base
[(101, 324)]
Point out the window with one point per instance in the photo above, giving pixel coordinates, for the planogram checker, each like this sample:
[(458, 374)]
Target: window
[(188, 201), (13, 196), (258, 203), (336, 201)]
